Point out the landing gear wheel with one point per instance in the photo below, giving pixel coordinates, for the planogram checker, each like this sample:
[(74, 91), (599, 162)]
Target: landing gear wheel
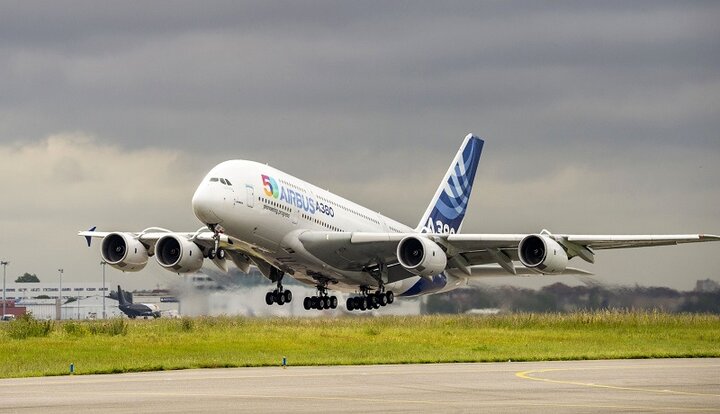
[(382, 299), (280, 298), (269, 299), (220, 254), (350, 304), (211, 254), (333, 302), (390, 297), (371, 301), (362, 305), (314, 302), (288, 296), (326, 302)]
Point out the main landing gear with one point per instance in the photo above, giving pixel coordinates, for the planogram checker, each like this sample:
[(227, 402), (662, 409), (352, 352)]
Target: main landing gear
[(280, 295), (369, 300), (322, 301)]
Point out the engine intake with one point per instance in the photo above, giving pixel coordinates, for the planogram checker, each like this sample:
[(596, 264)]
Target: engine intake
[(124, 252), (542, 254), (178, 254), (421, 256)]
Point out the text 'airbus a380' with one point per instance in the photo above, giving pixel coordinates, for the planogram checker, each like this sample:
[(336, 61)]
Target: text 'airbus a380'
[(257, 215)]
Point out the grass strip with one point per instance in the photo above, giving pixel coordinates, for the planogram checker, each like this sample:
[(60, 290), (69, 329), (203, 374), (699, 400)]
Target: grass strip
[(164, 344)]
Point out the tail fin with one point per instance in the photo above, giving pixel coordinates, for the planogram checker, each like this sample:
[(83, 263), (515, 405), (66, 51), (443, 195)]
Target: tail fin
[(447, 208), (122, 300)]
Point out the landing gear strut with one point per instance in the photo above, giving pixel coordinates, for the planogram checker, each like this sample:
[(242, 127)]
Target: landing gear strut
[(321, 301), (216, 251), (370, 300), (280, 295)]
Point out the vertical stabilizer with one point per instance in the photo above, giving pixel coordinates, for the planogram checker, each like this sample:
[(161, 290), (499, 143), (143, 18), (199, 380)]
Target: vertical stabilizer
[(447, 208), (122, 301)]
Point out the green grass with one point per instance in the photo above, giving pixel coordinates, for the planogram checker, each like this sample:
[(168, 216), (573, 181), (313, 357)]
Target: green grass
[(164, 344)]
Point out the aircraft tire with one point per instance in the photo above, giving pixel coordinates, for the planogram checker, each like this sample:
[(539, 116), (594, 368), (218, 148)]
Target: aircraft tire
[(280, 299), (362, 305), (269, 299), (382, 299), (333, 302), (326, 302), (390, 297), (288, 296), (349, 304)]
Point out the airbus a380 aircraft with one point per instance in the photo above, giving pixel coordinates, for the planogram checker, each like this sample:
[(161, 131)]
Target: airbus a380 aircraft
[(257, 215)]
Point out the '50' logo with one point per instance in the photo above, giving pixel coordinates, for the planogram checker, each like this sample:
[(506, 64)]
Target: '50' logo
[(270, 186)]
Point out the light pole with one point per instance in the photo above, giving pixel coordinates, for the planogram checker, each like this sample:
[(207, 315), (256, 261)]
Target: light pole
[(60, 296), (4, 265), (103, 264)]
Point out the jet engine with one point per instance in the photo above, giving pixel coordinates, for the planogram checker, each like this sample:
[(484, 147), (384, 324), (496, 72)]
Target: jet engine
[(421, 256), (542, 254), (178, 254), (124, 252)]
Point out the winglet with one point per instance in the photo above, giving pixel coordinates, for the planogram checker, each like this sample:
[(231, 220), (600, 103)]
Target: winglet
[(88, 239)]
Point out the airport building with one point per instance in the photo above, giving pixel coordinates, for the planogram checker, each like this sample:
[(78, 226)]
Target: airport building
[(44, 290), (80, 300)]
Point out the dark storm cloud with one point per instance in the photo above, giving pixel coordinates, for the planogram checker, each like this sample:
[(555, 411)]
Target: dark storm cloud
[(186, 73)]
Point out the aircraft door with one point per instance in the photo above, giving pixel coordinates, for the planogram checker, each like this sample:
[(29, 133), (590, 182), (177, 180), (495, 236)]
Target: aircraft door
[(250, 196)]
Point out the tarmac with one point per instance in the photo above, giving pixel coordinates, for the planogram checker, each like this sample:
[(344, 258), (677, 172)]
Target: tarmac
[(649, 385)]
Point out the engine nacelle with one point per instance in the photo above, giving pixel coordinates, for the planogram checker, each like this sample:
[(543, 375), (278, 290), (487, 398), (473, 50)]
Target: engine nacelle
[(178, 254), (123, 251), (421, 256), (542, 254)]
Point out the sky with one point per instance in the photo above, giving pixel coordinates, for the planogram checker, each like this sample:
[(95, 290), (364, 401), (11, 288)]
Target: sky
[(599, 118)]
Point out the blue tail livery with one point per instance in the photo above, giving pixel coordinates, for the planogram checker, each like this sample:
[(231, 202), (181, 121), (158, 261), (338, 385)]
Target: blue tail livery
[(447, 209)]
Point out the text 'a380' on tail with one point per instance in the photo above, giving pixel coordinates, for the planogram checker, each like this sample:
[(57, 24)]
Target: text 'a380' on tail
[(447, 209)]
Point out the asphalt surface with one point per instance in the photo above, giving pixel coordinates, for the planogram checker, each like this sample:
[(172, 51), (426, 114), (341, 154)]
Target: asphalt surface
[(660, 385)]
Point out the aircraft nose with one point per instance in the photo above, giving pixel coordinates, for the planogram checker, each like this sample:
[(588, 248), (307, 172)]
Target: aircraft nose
[(204, 202)]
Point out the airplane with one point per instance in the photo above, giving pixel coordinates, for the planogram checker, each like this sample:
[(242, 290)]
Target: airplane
[(133, 310), (256, 215)]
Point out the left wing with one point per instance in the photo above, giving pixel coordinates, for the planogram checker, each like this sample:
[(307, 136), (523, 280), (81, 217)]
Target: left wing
[(363, 251)]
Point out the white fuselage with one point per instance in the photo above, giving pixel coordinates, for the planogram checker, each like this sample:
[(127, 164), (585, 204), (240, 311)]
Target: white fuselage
[(264, 210)]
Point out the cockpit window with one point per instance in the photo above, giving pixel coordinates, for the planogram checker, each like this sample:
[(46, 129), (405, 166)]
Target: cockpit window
[(222, 180), (228, 181), (214, 179)]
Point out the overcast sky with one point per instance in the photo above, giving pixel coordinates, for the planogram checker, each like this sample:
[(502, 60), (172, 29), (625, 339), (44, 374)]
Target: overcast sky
[(599, 117)]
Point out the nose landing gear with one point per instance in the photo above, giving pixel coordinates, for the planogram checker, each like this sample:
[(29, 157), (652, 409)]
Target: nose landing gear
[(215, 251)]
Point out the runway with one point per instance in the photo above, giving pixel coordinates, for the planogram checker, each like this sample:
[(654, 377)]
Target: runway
[(659, 385)]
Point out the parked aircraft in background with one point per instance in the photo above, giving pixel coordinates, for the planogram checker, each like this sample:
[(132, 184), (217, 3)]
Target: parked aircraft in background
[(133, 310), (257, 215)]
